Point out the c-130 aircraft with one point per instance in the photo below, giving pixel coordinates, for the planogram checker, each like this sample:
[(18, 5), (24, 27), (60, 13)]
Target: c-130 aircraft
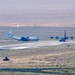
[(23, 38), (64, 38)]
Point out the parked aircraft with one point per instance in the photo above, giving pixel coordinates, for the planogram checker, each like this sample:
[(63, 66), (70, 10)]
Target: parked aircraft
[(62, 39), (24, 38)]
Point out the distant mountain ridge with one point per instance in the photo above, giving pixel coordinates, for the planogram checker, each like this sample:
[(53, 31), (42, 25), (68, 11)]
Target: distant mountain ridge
[(63, 24)]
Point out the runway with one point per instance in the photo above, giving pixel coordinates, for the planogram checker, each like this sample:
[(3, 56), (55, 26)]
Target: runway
[(34, 44)]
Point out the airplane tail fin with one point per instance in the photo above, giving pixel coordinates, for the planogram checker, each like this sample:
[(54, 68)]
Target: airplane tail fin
[(65, 34), (10, 34)]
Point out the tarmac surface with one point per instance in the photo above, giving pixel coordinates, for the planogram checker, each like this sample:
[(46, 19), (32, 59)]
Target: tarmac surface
[(34, 44)]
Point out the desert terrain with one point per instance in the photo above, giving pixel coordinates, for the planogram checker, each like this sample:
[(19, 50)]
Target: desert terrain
[(60, 56), (49, 56)]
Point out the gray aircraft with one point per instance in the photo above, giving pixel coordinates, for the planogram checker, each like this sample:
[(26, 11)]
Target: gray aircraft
[(23, 38), (62, 39)]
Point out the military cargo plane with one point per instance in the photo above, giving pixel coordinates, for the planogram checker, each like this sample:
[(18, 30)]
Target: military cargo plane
[(23, 38), (64, 38)]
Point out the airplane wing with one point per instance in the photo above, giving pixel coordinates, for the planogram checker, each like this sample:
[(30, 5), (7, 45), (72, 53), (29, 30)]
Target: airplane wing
[(71, 37), (54, 37), (24, 38)]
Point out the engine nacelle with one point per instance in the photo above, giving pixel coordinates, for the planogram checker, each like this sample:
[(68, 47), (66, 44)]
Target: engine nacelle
[(24, 39)]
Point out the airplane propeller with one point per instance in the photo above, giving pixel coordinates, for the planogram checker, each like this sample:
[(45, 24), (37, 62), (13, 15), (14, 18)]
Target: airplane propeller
[(72, 37), (67, 37), (51, 37), (57, 37)]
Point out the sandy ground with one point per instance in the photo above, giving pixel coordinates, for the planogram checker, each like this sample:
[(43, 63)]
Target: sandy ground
[(50, 53)]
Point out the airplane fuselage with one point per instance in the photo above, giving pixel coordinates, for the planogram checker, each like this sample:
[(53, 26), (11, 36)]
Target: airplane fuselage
[(24, 38), (62, 39)]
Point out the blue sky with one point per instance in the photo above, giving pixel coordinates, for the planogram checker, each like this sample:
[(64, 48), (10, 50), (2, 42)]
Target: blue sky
[(35, 5)]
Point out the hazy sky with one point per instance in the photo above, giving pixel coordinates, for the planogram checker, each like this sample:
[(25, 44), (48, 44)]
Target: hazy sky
[(22, 11), (35, 5)]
